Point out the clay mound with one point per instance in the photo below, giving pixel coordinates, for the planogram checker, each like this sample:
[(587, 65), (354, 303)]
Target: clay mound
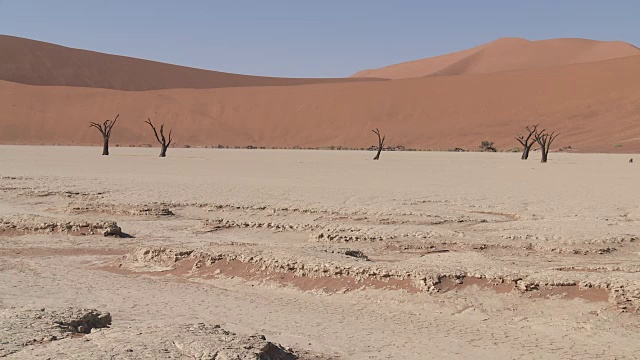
[(38, 63), (25, 328), (34, 225), (31, 334), (507, 54)]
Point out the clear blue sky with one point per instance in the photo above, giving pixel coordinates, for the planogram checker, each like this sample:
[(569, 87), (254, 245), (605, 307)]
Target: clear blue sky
[(308, 38)]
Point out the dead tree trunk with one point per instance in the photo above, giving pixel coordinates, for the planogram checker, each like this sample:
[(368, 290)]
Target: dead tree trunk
[(105, 130), (105, 146), (380, 143), (527, 142), (164, 144), (545, 140)]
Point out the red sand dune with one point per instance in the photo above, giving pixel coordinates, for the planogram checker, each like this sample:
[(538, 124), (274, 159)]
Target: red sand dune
[(593, 105), (507, 54), (38, 63)]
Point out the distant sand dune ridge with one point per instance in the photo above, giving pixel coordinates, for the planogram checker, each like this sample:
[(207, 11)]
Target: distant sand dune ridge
[(594, 106), (507, 54)]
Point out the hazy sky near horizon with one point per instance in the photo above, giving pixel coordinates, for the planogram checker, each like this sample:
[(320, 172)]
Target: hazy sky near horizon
[(298, 38)]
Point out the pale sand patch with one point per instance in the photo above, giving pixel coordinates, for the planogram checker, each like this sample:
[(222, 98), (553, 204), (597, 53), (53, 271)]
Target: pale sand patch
[(578, 212)]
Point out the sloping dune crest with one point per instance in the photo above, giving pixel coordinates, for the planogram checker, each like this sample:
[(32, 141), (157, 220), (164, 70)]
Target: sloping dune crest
[(39, 63), (507, 54)]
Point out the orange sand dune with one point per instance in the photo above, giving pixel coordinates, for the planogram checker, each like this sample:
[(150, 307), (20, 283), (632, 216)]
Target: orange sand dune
[(594, 106), (38, 63), (507, 54)]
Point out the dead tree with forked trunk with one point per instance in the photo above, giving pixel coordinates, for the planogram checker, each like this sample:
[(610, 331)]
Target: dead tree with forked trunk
[(545, 139), (105, 130), (161, 139), (527, 142), (380, 143)]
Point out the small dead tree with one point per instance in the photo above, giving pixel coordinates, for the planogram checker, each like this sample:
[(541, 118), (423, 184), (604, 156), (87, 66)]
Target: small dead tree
[(527, 142), (380, 143), (161, 139), (545, 139), (105, 130)]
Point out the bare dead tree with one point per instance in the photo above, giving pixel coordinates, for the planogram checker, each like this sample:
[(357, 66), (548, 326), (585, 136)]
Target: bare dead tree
[(161, 139), (528, 141), (380, 143), (105, 130), (545, 139)]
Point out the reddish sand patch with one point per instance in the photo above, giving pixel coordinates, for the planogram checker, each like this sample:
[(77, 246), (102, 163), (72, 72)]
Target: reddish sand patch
[(568, 292), (329, 284), (194, 269), (253, 272), (11, 232)]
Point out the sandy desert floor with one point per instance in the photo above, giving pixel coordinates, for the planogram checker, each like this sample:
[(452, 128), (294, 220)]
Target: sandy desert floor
[(329, 255)]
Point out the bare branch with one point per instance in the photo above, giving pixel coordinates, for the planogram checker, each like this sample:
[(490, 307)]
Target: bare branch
[(170, 138), (154, 130), (540, 136), (552, 137), (97, 126), (531, 132), (111, 124), (377, 132)]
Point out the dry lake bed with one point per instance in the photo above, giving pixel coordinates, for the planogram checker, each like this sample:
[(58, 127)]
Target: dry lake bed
[(256, 254)]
